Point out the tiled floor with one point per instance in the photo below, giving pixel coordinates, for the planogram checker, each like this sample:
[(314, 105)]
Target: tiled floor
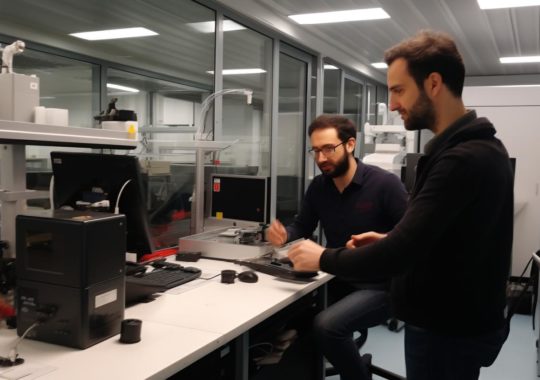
[(517, 360)]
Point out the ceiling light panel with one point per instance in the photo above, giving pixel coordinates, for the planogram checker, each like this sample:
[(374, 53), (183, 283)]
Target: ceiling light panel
[(239, 71), (379, 65), (122, 88), (497, 4), (341, 16), (210, 26), (113, 34), (522, 59)]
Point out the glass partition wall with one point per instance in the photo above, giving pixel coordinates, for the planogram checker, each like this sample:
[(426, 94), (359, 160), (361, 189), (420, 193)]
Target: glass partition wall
[(247, 64), (194, 50), (293, 75)]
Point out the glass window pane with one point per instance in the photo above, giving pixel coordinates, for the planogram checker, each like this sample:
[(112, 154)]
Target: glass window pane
[(290, 139), (183, 47), (352, 102), (332, 88), (167, 114), (247, 123), (314, 83), (64, 83), (371, 103)]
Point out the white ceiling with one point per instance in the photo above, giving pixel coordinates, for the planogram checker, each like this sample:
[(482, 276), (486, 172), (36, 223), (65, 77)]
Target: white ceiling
[(482, 35)]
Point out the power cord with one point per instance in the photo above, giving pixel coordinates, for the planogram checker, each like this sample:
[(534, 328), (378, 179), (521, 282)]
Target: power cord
[(116, 208), (43, 315), (51, 192), (13, 356)]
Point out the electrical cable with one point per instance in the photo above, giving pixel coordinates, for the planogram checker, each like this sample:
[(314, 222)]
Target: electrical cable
[(13, 355), (116, 208), (51, 192)]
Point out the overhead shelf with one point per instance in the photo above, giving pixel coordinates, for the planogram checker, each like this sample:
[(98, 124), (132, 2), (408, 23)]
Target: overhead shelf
[(204, 145), (17, 132)]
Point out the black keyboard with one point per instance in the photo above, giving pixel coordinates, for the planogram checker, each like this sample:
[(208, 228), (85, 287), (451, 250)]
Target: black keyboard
[(142, 285), (277, 268)]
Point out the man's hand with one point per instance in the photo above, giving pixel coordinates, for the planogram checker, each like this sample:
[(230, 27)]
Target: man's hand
[(306, 255), (276, 234), (364, 239)]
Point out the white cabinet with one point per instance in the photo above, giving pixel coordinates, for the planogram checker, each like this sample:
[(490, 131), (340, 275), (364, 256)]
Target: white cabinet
[(515, 111), (174, 112)]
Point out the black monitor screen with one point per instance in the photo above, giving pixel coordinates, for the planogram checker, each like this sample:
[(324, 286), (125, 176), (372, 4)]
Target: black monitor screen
[(240, 197), (81, 179), (409, 176)]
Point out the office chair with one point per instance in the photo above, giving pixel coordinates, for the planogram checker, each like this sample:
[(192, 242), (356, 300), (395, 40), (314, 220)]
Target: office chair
[(359, 342), (393, 325)]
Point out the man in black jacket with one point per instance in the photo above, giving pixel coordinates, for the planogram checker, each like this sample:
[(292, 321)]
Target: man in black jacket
[(449, 256)]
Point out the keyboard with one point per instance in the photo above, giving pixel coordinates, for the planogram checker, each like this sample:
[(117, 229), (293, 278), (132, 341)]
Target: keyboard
[(143, 285), (277, 268)]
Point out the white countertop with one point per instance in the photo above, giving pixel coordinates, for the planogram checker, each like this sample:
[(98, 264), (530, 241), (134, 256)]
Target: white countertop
[(177, 329)]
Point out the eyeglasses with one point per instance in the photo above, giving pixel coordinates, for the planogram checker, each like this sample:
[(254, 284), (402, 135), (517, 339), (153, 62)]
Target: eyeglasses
[(327, 150)]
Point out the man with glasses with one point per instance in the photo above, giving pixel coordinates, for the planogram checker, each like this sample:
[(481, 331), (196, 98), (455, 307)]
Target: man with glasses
[(347, 199)]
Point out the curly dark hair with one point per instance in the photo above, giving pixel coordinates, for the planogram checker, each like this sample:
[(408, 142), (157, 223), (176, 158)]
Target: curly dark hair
[(345, 127)]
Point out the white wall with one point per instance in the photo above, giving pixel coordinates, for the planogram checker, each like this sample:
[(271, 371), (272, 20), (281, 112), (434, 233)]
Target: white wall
[(515, 113)]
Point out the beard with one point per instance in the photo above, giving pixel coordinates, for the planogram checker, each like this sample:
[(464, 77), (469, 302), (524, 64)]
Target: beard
[(421, 115), (337, 169)]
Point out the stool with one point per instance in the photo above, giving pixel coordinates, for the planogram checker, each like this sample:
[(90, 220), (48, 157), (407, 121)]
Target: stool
[(385, 374)]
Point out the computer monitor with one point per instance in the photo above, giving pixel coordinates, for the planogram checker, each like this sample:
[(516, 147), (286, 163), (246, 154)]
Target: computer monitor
[(240, 197), (408, 175), (91, 177)]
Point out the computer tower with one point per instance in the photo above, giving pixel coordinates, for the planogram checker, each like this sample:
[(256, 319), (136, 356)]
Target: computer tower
[(70, 276)]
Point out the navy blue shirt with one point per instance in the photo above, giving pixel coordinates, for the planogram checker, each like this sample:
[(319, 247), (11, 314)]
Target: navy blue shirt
[(375, 200)]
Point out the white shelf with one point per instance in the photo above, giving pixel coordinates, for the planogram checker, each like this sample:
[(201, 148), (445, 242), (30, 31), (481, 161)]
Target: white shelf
[(16, 132), (16, 135), (204, 145)]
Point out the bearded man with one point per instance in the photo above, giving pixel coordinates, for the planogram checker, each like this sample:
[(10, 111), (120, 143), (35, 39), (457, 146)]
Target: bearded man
[(348, 198)]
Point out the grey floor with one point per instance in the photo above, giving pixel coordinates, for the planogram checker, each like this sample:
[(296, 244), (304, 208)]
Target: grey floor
[(517, 360)]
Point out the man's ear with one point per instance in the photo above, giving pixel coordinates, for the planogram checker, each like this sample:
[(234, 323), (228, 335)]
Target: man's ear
[(351, 143), (433, 84)]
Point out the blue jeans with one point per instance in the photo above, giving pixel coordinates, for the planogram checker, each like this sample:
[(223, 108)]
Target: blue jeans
[(334, 328), (430, 356)]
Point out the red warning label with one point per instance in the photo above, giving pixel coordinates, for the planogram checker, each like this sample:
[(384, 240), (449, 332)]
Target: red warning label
[(217, 185)]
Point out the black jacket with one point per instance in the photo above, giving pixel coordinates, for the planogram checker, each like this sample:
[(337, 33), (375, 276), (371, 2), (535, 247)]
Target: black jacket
[(450, 254)]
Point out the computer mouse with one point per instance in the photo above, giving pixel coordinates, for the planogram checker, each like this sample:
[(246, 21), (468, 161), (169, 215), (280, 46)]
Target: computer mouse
[(248, 276), (191, 269)]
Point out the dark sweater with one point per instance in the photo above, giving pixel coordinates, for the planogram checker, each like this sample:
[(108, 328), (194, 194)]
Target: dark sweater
[(450, 253), (375, 200)]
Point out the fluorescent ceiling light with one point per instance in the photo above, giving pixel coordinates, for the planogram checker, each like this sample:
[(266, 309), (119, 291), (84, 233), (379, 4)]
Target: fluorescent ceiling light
[(522, 59), (379, 65), (496, 4), (123, 88), (112, 34), (239, 71), (210, 26), (330, 67), (341, 16), (517, 85)]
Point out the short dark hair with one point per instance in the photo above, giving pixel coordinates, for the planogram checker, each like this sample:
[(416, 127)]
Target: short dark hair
[(345, 127), (428, 52)]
